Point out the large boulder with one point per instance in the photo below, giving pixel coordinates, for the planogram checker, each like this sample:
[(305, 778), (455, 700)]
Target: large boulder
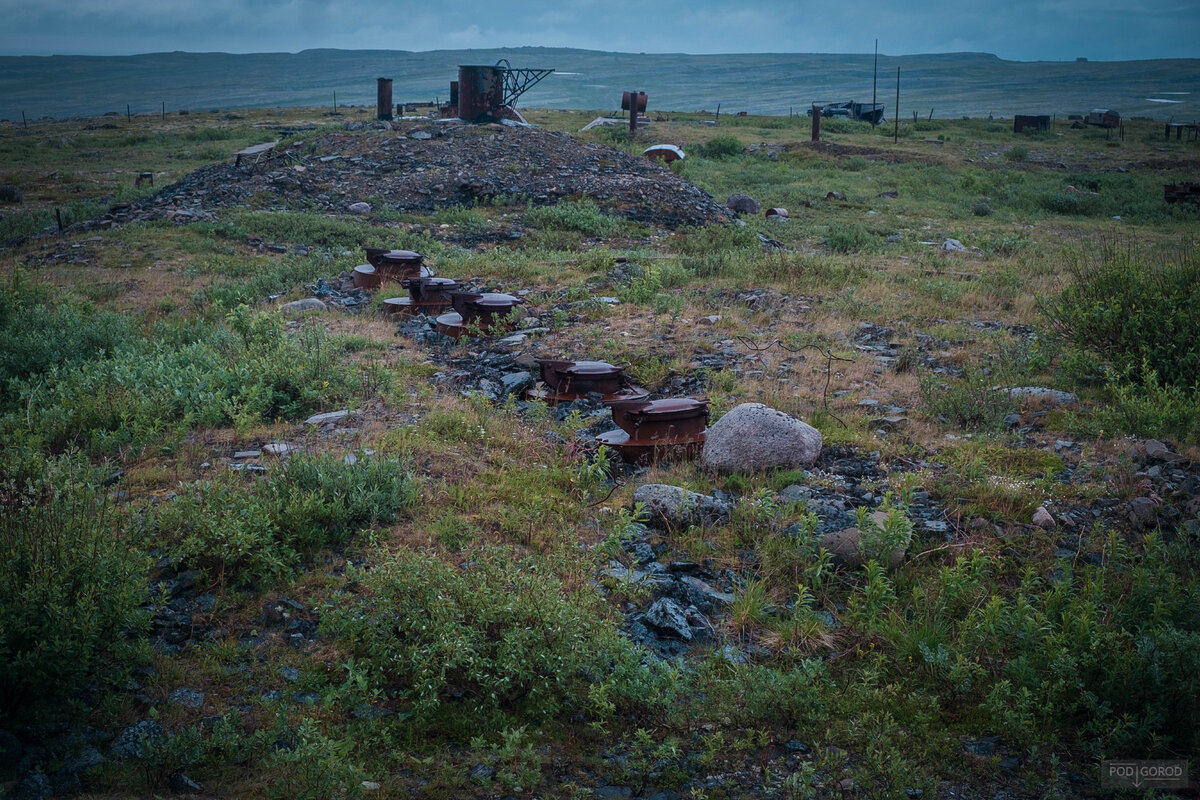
[(754, 437), (742, 204)]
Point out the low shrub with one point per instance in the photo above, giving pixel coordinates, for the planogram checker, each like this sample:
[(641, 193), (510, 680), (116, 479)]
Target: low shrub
[(497, 641), (583, 217), (247, 534), (848, 238), (971, 402), (1138, 316), (721, 147), (71, 590), (256, 371)]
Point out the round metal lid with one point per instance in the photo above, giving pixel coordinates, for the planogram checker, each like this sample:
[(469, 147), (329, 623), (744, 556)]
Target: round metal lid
[(593, 368), (365, 269), (673, 405), (444, 283), (403, 256), (497, 300)]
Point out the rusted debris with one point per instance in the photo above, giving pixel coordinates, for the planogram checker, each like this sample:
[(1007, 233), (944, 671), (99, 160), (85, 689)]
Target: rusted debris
[(649, 429), (143, 177), (1023, 122), (488, 93), (397, 265), (365, 277), (564, 381), (254, 153), (1182, 192), (664, 152), (776, 213), (487, 312), (383, 105), (1103, 118), (634, 103)]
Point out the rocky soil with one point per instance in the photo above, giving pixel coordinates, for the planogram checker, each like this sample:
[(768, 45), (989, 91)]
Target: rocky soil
[(423, 166)]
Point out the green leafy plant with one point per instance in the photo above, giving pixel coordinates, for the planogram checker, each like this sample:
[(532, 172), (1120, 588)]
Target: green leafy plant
[(498, 642), (72, 591)]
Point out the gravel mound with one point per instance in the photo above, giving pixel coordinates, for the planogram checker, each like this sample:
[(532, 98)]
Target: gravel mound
[(424, 166)]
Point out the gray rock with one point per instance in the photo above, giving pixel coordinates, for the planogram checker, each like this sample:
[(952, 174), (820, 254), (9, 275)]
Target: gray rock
[(1043, 518), (516, 383), (1157, 451), (795, 493), (88, 758), (182, 784), (132, 742), (613, 792), (894, 238), (303, 306), (846, 546), (953, 246), (482, 772), (742, 204), (1142, 509), (290, 673), (34, 786), (360, 208), (667, 618), (752, 437), (705, 594), (673, 505), (187, 697), (1042, 393), (328, 416), (280, 448)]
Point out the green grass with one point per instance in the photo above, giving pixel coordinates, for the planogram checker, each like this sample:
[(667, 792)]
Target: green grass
[(462, 567)]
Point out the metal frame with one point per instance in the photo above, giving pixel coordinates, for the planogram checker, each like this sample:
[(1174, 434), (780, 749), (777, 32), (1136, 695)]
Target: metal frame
[(518, 81)]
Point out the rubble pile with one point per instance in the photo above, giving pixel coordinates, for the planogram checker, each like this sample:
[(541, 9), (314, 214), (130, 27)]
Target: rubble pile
[(421, 167)]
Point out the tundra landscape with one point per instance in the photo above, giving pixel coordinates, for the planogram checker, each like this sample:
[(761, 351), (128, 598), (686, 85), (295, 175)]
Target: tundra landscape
[(263, 535)]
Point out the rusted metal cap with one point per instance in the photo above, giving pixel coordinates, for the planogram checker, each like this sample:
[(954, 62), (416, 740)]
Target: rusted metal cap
[(365, 277), (593, 369), (776, 212), (495, 300)]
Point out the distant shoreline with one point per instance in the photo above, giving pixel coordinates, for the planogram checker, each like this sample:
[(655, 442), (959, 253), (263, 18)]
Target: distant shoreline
[(773, 84)]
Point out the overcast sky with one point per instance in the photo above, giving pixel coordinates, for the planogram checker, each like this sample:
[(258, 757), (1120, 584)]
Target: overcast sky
[(1022, 30)]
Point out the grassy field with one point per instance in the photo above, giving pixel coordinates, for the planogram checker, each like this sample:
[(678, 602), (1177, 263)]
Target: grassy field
[(428, 598)]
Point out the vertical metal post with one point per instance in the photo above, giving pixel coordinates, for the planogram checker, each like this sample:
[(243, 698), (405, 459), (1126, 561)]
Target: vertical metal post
[(633, 112), (874, 82), (383, 99), (896, 129), (128, 113), (24, 122), (816, 126), (164, 116)]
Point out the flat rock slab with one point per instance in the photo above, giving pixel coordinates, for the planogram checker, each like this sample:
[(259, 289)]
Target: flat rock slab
[(753, 437), (327, 417), (1055, 396), (673, 505)]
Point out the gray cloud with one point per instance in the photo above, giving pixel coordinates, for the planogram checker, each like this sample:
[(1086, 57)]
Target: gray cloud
[(1020, 29)]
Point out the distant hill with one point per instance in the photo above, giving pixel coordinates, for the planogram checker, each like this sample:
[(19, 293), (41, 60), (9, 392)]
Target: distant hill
[(952, 85)]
